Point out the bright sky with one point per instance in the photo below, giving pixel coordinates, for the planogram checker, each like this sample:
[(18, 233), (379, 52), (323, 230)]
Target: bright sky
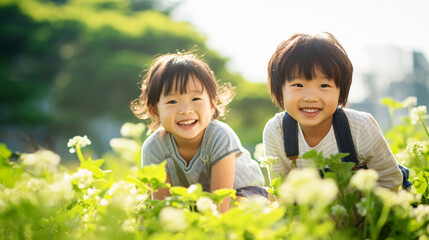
[(248, 31)]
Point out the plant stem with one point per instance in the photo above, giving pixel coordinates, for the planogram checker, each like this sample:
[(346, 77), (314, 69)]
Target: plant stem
[(422, 121), (381, 221), (79, 154), (423, 171)]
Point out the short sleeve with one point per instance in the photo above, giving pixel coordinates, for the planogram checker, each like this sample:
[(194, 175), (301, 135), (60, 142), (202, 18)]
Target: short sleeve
[(221, 142), (152, 152)]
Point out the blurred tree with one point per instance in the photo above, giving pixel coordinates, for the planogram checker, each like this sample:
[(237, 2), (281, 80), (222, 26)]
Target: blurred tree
[(65, 63)]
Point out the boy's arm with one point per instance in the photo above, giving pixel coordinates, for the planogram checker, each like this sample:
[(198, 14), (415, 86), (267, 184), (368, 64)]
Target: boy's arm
[(222, 176), (162, 193), (380, 157)]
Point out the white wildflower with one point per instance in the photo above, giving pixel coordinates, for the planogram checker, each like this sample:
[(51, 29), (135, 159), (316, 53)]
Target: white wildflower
[(127, 147), (418, 113), (410, 101), (78, 141), (129, 225), (124, 194), (103, 202), (364, 180), (41, 160), (270, 161), (387, 196), (259, 152), (205, 204), (83, 178), (173, 219), (192, 188), (338, 210), (132, 130), (304, 186), (415, 148)]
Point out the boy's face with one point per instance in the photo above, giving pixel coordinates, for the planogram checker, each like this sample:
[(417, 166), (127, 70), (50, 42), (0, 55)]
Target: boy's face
[(311, 103), (186, 115)]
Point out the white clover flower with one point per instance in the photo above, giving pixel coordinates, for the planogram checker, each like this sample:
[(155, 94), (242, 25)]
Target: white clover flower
[(41, 160), (259, 152), (415, 147), (387, 196), (132, 130), (78, 141), (410, 101), (270, 161), (421, 213), (125, 146), (205, 204), (365, 179), (338, 210), (362, 207), (173, 219), (418, 113), (129, 225), (60, 190), (83, 178), (124, 194), (304, 186)]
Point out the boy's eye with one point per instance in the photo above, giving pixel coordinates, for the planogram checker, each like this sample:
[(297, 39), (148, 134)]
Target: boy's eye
[(297, 85), (324, 85), (172, 102)]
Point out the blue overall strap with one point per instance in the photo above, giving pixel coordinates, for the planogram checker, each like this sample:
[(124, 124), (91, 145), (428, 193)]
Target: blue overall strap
[(290, 135), (343, 136)]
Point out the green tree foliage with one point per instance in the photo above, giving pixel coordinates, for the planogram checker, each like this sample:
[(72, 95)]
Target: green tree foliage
[(66, 62)]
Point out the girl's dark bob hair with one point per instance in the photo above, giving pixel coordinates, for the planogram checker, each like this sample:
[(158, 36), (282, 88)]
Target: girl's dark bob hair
[(306, 56), (172, 72)]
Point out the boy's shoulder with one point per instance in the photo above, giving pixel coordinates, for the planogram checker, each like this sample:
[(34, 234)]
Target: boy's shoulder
[(357, 117)]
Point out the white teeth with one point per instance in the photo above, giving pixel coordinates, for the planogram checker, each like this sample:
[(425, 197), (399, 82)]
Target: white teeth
[(310, 110), (186, 122)]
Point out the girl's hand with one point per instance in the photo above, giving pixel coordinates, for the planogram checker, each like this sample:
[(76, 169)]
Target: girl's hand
[(222, 176), (162, 193)]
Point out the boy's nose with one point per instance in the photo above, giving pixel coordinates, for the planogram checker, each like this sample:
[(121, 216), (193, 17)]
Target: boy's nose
[(310, 95)]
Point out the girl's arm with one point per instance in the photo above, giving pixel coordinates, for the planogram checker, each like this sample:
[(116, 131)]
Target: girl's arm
[(222, 176), (162, 193)]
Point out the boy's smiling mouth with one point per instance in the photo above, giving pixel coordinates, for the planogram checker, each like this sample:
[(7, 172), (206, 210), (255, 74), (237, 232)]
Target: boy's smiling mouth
[(187, 123), (310, 110)]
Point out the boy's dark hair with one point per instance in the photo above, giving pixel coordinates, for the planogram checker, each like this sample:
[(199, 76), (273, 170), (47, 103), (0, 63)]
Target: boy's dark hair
[(174, 71), (304, 55)]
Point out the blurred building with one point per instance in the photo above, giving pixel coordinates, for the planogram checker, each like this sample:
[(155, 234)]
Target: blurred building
[(395, 73)]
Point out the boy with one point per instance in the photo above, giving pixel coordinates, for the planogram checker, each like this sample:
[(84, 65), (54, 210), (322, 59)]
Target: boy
[(309, 76)]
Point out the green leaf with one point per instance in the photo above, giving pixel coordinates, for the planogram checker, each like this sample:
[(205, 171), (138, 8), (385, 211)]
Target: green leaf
[(5, 154), (390, 102)]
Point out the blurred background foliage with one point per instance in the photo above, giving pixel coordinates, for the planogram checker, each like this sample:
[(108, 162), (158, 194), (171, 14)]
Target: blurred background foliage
[(71, 67)]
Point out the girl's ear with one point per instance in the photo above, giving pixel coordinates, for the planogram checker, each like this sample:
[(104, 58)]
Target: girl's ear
[(154, 113)]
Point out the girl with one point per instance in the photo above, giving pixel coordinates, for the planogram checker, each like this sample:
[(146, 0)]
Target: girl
[(181, 97)]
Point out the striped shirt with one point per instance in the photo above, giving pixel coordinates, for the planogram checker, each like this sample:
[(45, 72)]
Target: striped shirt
[(371, 147)]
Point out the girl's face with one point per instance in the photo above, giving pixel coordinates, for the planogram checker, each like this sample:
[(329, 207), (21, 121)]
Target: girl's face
[(311, 103), (186, 115)]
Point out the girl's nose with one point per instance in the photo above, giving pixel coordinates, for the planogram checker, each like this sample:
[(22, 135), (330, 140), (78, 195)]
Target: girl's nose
[(185, 110)]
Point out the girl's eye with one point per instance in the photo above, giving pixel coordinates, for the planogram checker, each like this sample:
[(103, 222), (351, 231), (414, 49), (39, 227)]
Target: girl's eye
[(196, 99), (172, 102), (297, 85), (324, 85)]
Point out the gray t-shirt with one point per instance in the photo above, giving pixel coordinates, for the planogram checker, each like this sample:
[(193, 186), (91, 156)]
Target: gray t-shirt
[(218, 142)]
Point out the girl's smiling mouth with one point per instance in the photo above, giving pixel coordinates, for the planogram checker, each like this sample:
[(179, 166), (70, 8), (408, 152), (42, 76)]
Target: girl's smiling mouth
[(187, 123)]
